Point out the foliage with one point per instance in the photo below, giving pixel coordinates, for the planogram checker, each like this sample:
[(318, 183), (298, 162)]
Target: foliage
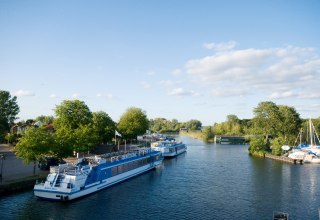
[(259, 144), (193, 125), (207, 134), (267, 119), (34, 144), (72, 114), (74, 126), (277, 143), (10, 137), (103, 126), (133, 122), (45, 120), (232, 126), (9, 109), (163, 125), (290, 124)]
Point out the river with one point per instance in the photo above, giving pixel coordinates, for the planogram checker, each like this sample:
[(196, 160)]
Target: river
[(208, 182)]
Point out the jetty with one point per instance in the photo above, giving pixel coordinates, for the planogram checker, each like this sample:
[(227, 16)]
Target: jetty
[(283, 159)]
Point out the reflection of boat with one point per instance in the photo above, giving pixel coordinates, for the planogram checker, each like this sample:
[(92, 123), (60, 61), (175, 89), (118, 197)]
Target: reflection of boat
[(169, 148), (90, 174)]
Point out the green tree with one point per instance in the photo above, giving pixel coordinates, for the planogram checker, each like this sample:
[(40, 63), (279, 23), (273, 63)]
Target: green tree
[(73, 114), (45, 120), (34, 144), (9, 109), (291, 124), (133, 122), (193, 125), (277, 143), (267, 120), (259, 146), (207, 134), (10, 138), (74, 126), (104, 126)]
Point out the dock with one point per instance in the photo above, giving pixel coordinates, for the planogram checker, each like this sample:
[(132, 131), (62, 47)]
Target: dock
[(283, 159)]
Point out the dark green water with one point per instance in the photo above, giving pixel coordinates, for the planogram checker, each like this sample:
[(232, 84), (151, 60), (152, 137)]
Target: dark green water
[(208, 182)]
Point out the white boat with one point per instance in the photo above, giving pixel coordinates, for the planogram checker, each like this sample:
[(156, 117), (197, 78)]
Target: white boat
[(67, 181), (169, 148), (311, 158), (310, 150), (297, 155)]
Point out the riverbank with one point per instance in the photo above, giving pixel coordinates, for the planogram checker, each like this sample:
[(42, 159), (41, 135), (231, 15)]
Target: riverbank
[(19, 185), (18, 176)]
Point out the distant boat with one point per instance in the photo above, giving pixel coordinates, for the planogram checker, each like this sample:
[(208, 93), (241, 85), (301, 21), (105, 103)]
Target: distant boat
[(280, 216), (169, 148), (67, 181)]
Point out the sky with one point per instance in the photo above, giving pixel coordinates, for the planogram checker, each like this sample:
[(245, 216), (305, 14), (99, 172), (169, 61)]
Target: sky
[(183, 59)]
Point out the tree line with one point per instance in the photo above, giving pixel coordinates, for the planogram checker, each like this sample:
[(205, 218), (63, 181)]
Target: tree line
[(76, 129), (271, 127)]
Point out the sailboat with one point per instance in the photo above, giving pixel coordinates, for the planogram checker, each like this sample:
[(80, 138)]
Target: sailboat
[(310, 150)]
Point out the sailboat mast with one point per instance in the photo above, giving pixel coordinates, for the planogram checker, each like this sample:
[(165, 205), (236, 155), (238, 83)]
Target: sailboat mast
[(311, 133)]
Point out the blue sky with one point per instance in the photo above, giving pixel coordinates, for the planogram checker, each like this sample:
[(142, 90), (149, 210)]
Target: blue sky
[(174, 59)]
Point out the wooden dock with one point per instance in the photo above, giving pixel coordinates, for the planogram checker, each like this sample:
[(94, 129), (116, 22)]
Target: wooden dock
[(283, 159)]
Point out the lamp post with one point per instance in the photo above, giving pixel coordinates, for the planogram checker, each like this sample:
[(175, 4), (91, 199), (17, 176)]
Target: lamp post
[(2, 157)]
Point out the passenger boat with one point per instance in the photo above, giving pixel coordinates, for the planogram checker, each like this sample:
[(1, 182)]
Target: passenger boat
[(169, 148), (90, 174)]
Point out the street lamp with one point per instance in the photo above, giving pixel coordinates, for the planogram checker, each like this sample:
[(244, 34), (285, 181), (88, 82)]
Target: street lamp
[(2, 157)]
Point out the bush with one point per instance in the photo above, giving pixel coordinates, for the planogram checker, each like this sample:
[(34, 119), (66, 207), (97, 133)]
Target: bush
[(277, 143), (258, 146)]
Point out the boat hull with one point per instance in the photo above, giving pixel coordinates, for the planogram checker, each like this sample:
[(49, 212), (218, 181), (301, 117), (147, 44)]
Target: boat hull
[(57, 194)]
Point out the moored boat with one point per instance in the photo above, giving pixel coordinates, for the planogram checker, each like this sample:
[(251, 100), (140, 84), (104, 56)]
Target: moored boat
[(68, 181), (169, 148)]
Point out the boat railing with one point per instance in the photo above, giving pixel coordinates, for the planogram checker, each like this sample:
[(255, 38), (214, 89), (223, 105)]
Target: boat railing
[(62, 168)]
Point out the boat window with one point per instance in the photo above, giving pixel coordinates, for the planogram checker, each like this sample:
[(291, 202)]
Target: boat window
[(120, 169), (114, 171)]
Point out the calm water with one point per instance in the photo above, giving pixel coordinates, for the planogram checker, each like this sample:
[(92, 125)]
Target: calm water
[(208, 182)]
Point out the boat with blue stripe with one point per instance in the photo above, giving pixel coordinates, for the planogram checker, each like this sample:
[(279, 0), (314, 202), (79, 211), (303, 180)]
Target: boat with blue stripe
[(169, 148), (91, 174)]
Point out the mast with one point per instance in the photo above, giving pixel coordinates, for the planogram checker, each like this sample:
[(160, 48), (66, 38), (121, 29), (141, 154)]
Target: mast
[(311, 133)]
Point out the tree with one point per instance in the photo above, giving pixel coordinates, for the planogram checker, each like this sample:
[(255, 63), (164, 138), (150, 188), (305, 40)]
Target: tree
[(74, 126), (45, 120), (9, 109), (267, 120), (277, 143), (72, 113), (193, 125), (207, 134), (133, 122), (291, 123), (34, 144), (104, 126)]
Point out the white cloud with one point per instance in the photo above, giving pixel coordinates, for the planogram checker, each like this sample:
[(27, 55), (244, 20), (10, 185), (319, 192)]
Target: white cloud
[(181, 92), (108, 96), (151, 73), (23, 93), (53, 96), (220, 46), (281, 72), (169, 82), (145, 85), (176, 72), (280, 95), (78, 96)]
